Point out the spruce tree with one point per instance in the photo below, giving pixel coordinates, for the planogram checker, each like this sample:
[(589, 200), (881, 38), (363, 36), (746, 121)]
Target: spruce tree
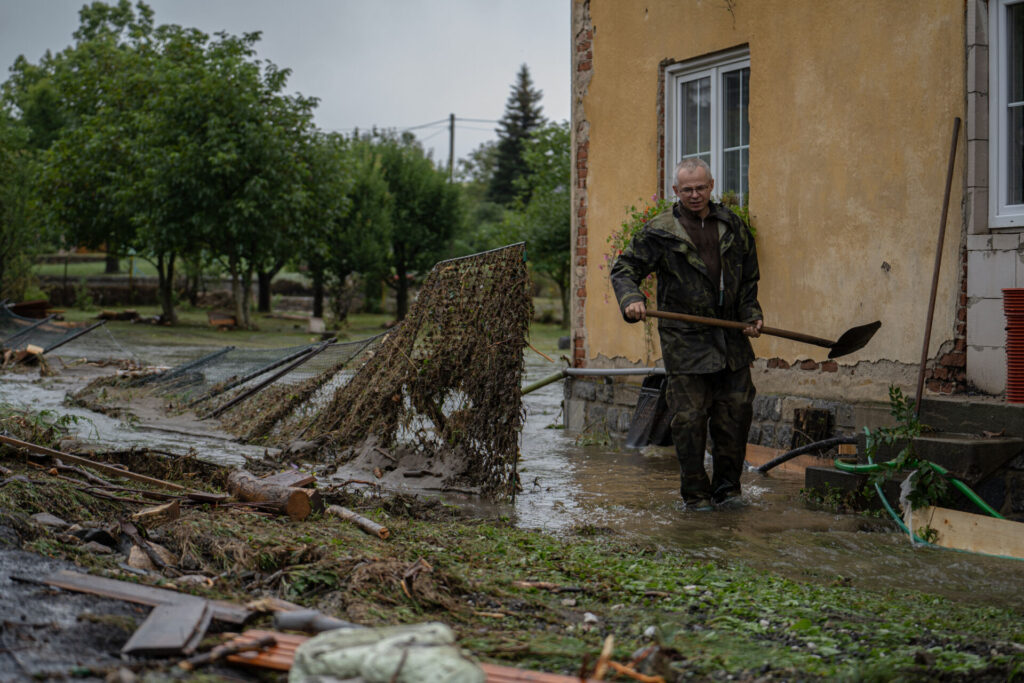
[(522, 116)]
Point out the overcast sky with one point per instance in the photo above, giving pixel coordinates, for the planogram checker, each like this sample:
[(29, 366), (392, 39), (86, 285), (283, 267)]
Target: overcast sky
[(390, 63)]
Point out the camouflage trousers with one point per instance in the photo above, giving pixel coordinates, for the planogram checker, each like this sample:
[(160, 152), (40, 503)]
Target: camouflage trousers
[(722, 402)]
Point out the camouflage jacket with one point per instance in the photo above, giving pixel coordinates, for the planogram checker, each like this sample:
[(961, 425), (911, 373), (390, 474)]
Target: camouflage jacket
[(684, 286)]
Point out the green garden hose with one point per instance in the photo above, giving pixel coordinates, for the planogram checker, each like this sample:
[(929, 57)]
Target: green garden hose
[(960, 486)]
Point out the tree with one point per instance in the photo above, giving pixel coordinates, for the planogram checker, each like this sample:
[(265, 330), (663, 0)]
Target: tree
[(173, 143), (426, 212), (349, 218), (18, 235), (544, 220), (522, 115)]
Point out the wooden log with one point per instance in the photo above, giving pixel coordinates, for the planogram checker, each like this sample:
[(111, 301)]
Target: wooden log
[(367, 525), (292, 478), (285, 500)]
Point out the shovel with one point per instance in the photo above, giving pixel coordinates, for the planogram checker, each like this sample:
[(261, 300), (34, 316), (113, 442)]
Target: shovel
[(854, 339)]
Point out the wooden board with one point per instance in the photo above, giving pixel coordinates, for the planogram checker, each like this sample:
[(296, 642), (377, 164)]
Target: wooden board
[(171, 630), (967, 531), (140, 594), (277, 658)]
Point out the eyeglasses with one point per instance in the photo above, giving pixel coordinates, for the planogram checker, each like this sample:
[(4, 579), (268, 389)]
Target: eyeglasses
[(699, 189)]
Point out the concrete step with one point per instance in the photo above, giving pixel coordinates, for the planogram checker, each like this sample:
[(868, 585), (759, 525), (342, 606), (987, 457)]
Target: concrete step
[(968, 457)]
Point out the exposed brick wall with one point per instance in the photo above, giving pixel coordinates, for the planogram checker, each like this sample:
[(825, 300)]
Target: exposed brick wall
[(947, 374), (583, 68)]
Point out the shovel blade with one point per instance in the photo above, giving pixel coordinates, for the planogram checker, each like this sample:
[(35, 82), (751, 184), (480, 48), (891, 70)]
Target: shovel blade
[(854, 339)]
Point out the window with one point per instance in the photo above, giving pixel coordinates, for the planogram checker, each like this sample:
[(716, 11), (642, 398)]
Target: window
[(706, 104), (1006, 131)]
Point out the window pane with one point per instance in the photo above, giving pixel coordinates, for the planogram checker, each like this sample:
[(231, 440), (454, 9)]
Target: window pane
[(1015, 92), (1015, 177), (744, 122), (733, 114), (696, 124), (1015, 16), (730, 172)]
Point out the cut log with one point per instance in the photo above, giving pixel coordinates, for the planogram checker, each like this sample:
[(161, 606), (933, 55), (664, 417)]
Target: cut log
[(367, 525), (292, 478), (285, 500), (153, 517)]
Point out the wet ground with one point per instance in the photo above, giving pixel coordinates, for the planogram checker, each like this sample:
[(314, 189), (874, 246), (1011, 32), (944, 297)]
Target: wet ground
[(567, 485)]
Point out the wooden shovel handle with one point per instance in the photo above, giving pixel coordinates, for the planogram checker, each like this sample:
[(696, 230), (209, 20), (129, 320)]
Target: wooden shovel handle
[(736, 325)]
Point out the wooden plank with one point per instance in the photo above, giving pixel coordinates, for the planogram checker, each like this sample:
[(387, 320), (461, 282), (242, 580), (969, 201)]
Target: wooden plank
[(171, 630), (277, 658), (508, 674), (141, 594), (970, 532)]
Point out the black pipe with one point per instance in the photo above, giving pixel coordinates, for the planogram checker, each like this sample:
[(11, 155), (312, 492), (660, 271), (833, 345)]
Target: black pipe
[(817, 445)]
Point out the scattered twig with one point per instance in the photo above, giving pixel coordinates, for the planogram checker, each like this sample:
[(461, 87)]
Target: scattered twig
[(367, 525), (548, 586), (606, 655), (79, 471), (222, 651), (385, 454), (634, 674), (540, 353)]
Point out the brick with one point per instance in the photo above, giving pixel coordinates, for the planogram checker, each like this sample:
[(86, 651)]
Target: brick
[(961, 330), (960, 346), (585, 65), (830, 366), (808, 365), (933, 384), (940, 372), (578, 342), (957, 360), (581, 292), (581, 252), (581, 152), (963, 298), (783, 365), (773, 362), (947, 388), (961, 314), (961, 376), (583, 46)]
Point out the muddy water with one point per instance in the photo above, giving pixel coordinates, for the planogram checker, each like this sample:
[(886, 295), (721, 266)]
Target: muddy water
[(637, 493)]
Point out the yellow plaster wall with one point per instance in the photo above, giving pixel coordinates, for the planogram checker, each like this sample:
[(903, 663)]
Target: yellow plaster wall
[(851, 109)]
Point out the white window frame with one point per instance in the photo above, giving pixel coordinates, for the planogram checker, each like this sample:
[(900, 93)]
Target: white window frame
[(677, 74), (1001, 213)]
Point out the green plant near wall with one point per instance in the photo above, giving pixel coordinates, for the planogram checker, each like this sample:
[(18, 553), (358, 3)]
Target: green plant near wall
[(929, 487)]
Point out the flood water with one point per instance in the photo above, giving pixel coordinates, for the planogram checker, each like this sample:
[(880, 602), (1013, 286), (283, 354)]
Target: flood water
[(635, 493)]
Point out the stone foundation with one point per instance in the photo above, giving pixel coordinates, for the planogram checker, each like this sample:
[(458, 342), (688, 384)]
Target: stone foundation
[(607, 404)]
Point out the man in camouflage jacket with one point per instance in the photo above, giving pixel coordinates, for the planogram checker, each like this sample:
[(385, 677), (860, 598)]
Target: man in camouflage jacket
[(706, 264)]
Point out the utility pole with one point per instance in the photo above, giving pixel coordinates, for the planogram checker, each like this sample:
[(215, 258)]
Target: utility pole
[(451, 147)]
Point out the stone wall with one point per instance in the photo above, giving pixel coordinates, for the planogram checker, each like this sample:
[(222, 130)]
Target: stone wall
[(597, 405)]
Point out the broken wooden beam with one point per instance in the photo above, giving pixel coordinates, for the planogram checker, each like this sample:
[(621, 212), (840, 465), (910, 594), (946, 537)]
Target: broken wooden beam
[(295, 502), (67, 457), (138, 593)]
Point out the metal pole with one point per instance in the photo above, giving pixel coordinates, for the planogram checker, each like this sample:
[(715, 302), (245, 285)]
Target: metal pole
[(31, 327), (451, 147), (938, 264), (78, 334)]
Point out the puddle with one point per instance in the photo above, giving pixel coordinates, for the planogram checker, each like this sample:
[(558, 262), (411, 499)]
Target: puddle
[(636, 494)]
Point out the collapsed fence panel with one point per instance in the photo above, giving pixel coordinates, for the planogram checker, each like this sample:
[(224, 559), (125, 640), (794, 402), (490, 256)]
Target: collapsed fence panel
[(19, 332)]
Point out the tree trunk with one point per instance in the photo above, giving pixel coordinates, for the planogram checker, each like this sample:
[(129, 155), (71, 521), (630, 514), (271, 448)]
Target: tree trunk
[(318, 292), (165, 286), (113, 264), (401, 290), (284, 500), (247, 296), (263, 279), (564, 287), (236, 291)]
